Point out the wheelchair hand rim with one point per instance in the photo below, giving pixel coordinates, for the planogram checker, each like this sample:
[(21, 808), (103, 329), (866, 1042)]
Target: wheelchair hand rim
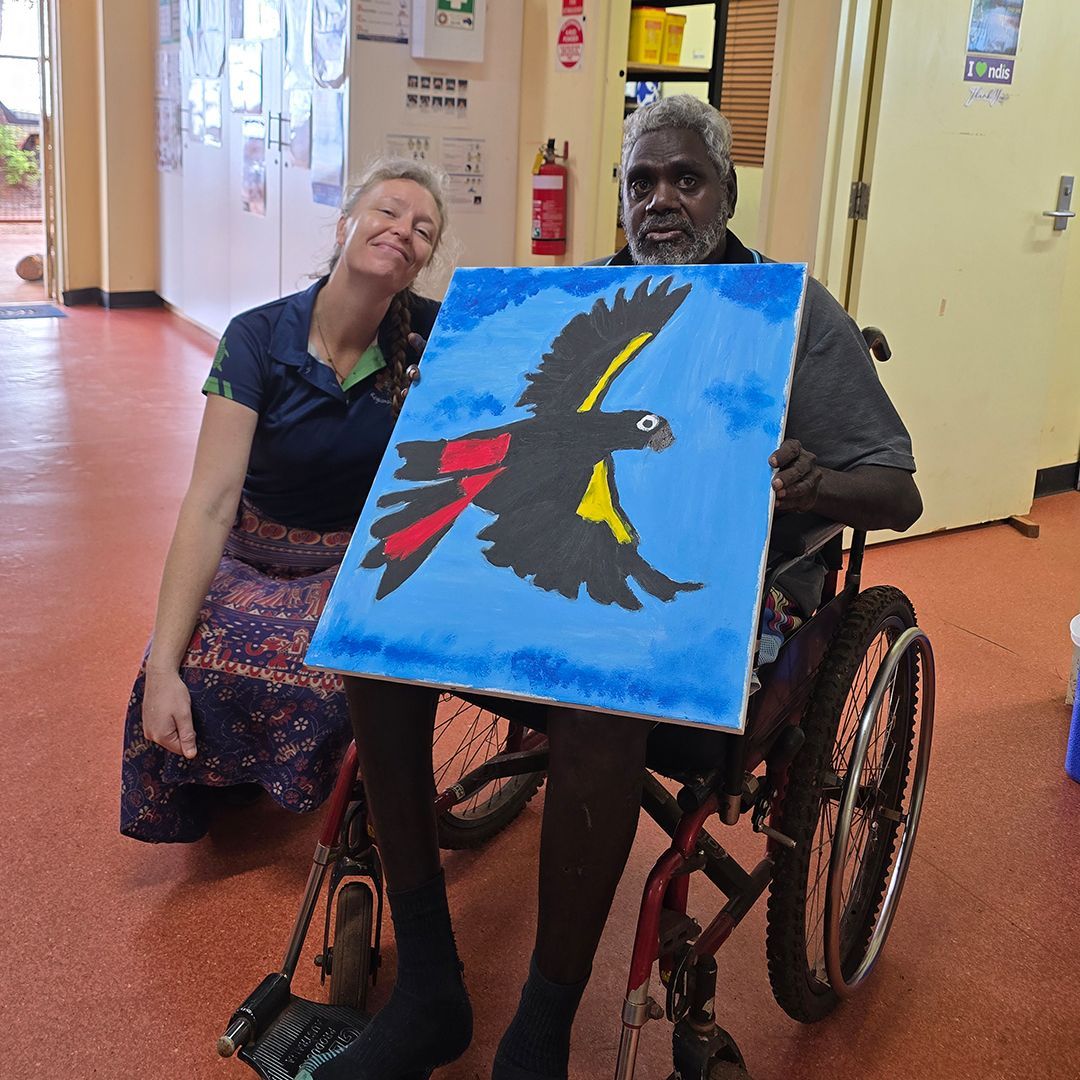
[(845, 986)]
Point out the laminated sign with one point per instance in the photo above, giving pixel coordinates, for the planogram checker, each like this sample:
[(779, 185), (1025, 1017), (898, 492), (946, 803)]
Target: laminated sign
[(571, 44)]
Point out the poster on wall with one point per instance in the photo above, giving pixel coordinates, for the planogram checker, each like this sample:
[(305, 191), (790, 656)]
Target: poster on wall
[(255, 20), (246, 76), (463, 160), (411, 147), (383, 20), (196, 122), (329, 41), (327, 146), (168, 22), (212, 112), (993, 41), (169, 143), (253, 169), (536, 526), (299, 121), (297, 38), (211, 34)]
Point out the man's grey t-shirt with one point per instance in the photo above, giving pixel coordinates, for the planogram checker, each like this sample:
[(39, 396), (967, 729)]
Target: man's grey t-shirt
[(838, 410)]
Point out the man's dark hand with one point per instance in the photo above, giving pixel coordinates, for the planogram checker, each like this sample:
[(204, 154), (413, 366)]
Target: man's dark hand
[(418, 344), (798, 477)]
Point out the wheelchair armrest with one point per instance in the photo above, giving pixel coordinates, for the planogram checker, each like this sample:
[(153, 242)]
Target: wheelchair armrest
[(795, 536)]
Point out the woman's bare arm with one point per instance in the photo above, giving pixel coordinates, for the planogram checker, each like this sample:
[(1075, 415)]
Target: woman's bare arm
[(206, 516)]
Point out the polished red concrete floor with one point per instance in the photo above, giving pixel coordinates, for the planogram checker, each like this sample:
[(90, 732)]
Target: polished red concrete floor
[(123, 961)]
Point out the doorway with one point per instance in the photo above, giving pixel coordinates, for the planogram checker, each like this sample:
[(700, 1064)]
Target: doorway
[(939, 234), (24, 263)]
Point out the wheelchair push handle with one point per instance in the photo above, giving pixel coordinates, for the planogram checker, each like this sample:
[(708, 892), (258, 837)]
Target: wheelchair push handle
[(877, 343)]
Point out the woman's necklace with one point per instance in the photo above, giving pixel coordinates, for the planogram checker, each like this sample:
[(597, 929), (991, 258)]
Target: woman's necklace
[(326, 349)]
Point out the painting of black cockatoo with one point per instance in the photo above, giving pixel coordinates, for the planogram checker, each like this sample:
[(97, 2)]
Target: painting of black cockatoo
[(574, 505), (548, 479)]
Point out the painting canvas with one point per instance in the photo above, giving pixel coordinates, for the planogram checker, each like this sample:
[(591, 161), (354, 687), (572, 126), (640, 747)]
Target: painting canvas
[(574, 507)]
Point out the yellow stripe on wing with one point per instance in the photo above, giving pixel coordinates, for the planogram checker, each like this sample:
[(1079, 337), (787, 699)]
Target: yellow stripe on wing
[(613, 369), (596, 504)]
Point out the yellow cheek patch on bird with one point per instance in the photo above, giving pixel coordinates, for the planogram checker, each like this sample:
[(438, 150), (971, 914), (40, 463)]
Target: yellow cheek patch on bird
[(613, 369), (596, 504)]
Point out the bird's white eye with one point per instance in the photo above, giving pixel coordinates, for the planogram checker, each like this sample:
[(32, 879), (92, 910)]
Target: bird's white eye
[(649, 423)]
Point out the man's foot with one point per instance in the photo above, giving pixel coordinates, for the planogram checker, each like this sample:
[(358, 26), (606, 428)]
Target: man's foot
[(407, 1039), (427, 1023), (536, 1045)]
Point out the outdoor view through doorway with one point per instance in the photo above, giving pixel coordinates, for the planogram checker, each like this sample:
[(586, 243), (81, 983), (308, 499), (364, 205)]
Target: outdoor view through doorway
[(22, 231)]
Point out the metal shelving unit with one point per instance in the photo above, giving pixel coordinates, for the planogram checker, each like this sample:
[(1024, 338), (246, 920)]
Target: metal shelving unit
[(713, 75)]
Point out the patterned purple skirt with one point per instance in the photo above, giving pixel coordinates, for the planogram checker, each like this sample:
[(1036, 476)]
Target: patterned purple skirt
[(260, 716)]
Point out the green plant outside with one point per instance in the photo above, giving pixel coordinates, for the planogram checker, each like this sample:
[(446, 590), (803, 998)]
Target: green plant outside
[(19, 166)]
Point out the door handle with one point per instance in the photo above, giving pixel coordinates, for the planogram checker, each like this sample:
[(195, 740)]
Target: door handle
[(1064, 209)]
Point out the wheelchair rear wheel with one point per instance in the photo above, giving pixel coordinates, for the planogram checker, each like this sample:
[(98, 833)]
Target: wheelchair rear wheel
[(466, 737), (795, 938)]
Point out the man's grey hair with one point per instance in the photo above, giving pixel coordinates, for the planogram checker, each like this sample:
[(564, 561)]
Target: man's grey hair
[(687, 113)]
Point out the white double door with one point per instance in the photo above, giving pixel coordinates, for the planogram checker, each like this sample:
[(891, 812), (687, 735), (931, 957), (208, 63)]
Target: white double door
[(240, 225), (278, 251)]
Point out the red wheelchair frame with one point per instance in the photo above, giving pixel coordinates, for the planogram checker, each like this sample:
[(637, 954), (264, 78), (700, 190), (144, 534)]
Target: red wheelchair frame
[(272, 1017), (801, 700)]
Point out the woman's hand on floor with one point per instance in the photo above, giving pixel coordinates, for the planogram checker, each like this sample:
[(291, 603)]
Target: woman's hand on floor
[(166, 713)]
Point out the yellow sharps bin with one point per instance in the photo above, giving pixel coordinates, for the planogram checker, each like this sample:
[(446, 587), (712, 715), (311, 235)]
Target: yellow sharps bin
[(646, 35)]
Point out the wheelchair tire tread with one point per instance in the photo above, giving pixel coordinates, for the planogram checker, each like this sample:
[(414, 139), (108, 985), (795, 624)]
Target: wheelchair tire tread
[(797, 992), (456, 834)]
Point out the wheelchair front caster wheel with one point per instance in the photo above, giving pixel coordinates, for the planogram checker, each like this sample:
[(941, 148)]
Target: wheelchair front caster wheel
[(351, 956), (727, 1070), (721, 1070)]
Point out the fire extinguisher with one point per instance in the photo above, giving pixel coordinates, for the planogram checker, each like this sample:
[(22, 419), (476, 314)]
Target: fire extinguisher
[(549, 201)]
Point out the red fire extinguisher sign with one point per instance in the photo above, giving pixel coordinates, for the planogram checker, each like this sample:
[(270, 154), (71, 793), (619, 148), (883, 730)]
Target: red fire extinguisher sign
[(549, 202)]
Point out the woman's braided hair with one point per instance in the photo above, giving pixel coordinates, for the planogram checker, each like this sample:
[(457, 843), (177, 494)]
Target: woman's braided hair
[(393, 379)]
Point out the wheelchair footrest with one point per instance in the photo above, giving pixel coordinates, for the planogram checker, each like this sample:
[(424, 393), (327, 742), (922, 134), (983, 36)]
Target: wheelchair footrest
[(301, 1028)]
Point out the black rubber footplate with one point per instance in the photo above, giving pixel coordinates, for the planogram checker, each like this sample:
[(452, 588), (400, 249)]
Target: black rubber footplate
[(302, 1028)]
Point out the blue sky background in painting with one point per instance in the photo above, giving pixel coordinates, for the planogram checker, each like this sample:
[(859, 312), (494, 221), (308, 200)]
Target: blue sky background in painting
[(719, 372)]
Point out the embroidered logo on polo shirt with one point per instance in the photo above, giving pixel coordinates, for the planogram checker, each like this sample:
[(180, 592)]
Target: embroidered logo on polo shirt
[(214, 384)]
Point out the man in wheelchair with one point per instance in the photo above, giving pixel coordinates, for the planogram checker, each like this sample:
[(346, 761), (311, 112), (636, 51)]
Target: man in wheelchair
[(846, 457)]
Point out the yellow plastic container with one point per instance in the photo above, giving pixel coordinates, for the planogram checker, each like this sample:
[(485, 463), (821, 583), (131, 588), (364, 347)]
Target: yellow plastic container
[(646, 35), (674, 27)]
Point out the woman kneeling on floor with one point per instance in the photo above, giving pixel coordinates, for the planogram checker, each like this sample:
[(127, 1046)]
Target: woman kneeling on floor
[(300, 404)]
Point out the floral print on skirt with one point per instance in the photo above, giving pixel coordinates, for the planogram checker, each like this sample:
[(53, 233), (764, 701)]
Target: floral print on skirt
[(260, 716)]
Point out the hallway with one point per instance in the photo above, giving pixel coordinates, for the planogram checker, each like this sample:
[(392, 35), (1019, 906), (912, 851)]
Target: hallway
[(127, 960)]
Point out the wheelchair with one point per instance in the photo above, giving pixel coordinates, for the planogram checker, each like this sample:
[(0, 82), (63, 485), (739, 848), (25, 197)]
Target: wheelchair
[(830, 768)]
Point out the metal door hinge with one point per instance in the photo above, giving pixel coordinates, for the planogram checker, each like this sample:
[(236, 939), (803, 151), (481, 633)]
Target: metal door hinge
[(859, 207)]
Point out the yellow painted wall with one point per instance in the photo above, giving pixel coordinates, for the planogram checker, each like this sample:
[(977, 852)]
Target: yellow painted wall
[(75, 34), (799, 117), (127, 143), (105, 119), (584, 107)]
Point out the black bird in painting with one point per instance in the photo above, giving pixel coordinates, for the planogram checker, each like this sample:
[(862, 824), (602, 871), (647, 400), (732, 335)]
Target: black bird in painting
[(549, 480)]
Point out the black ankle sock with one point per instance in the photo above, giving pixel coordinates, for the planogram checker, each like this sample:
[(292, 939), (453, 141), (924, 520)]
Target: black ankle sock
[(536, 1045), (428, 1020)]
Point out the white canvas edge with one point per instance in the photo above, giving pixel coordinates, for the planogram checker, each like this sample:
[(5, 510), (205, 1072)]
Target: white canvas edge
[(772, 507)]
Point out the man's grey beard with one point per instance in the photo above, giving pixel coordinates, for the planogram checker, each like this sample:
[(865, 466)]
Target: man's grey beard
[(694, 246)]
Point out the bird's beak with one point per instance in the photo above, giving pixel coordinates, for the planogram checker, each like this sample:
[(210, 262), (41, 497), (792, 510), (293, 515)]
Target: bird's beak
[(663, 438)]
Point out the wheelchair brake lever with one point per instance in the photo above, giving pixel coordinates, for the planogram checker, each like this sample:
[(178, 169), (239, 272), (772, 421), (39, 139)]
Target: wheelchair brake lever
[(774, 834), (761, 811)]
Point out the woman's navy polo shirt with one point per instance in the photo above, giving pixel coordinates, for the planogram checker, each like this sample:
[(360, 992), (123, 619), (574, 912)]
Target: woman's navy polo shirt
[(316, 447)]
